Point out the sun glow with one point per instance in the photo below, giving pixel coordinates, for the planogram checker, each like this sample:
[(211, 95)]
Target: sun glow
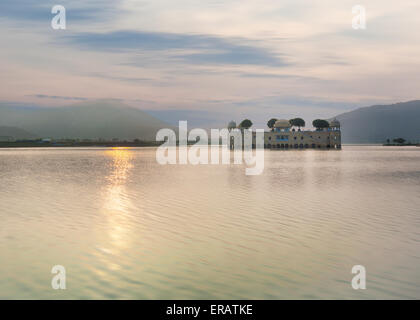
[(116, 207)]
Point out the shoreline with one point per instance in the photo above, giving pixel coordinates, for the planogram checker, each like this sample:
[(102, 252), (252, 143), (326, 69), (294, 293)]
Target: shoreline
[(4, 145), (401, 145), (111, 144)]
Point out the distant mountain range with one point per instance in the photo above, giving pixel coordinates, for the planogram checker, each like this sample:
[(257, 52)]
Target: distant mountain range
[(15, 133), (377, 123), (108, 119), (87, 120)]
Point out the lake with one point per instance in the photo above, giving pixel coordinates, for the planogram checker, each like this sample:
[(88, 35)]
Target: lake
[(125, 227)]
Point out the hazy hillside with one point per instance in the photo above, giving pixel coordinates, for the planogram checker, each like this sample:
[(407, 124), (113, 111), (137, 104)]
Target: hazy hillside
[(15, 133), (375, 124), (98, 119)]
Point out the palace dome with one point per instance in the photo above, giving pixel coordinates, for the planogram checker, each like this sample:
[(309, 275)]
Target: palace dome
[(282, 123), (334, 123)]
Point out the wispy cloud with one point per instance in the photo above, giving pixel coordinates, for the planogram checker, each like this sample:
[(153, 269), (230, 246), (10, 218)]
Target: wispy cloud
[(298, 101), (277, 76), (120, 78), (188, 48), (76, 10), (44, 96)]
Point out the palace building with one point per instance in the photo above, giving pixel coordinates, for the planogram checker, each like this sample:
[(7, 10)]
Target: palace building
[(282, 136)]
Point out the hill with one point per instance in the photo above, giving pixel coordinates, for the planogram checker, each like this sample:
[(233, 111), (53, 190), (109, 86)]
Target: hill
[(15, 133), (105, 119), (377, 123)]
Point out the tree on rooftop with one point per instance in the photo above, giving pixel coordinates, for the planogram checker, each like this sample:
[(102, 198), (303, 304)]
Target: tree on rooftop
[(271, 123), (297, 122), (246, 124), (320, 124)]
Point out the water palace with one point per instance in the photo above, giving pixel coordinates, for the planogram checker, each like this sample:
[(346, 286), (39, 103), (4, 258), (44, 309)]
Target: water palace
[(283, 136)]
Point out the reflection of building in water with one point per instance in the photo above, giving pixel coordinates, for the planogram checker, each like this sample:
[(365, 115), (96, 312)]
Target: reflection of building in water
[(283, 136)]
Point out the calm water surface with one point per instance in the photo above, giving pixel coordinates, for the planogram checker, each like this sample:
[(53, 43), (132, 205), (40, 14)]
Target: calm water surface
[(126, 227)]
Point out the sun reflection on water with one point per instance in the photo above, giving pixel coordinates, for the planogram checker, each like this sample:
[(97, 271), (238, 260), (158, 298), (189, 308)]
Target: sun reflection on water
[(116, 208)]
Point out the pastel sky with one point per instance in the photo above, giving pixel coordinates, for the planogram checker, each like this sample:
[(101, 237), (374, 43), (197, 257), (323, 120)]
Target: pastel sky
[(209, 61)]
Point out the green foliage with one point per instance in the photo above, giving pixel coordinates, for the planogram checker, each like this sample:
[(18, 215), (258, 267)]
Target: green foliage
[(232, 125), (297, 122), (246, 124), (271, 123), (320, 124), (399, 140)]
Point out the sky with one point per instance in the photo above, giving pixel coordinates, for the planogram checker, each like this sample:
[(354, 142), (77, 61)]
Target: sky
[(210, 61)]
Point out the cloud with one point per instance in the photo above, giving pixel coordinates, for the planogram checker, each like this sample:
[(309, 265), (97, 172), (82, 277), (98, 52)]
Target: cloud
[(277, 76), (298, 101), (43, 96), (188, 48), (40, 10), (120, 78)]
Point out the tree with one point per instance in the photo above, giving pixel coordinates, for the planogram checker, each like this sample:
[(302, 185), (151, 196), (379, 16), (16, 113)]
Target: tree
[(399, 140), (297, 122), (320, 124), (271, 123), (246, 124), (231, 125)]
